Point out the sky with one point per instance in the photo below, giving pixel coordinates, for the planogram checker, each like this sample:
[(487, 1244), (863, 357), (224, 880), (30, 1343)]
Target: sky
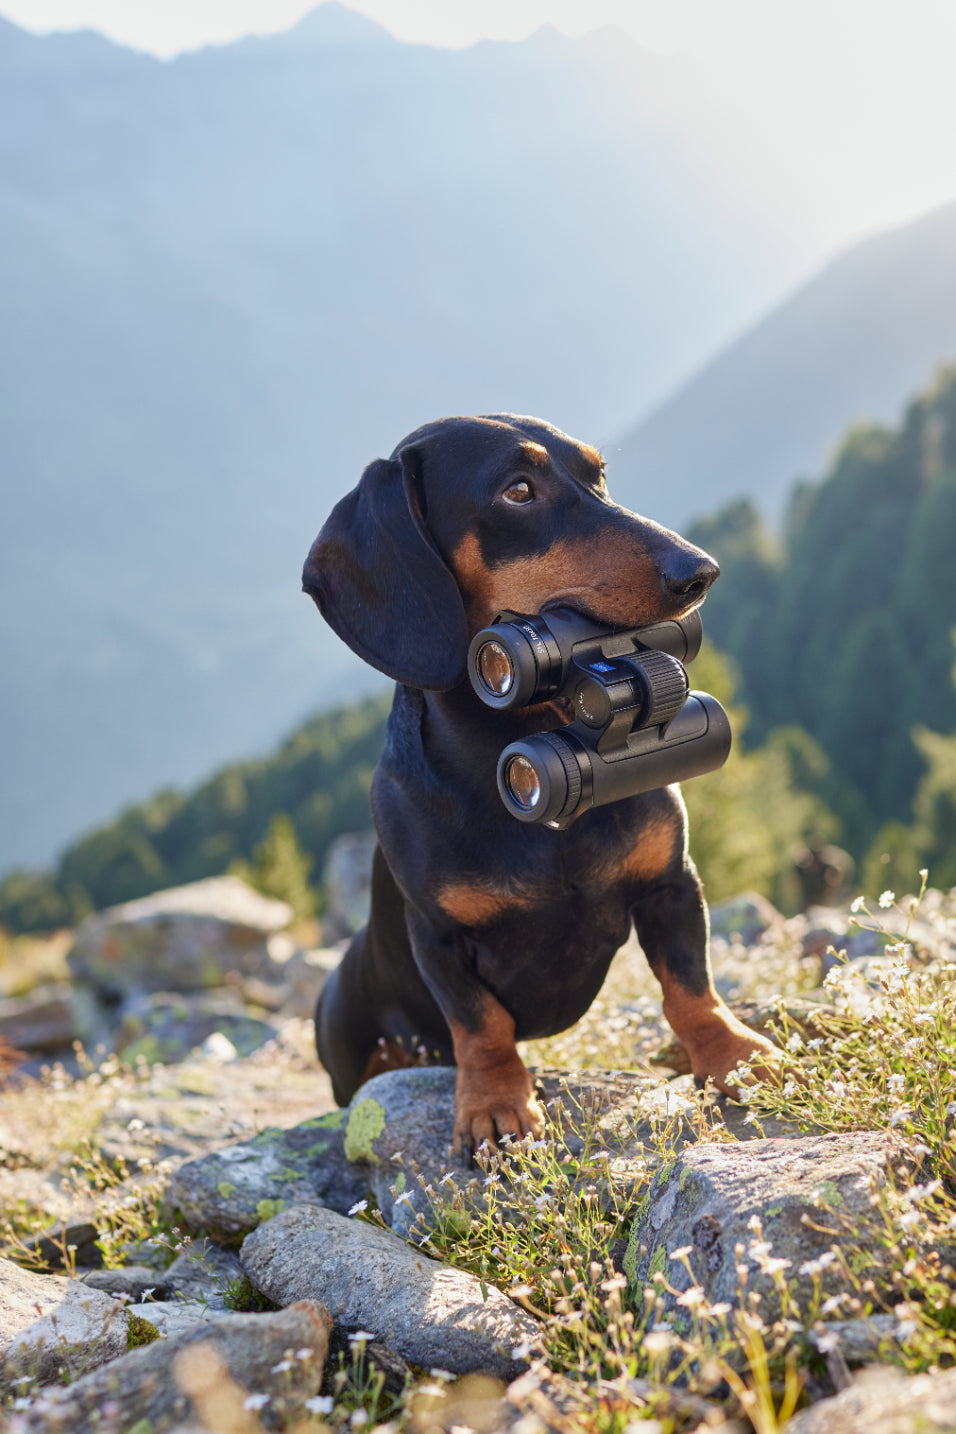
[(856, 95)]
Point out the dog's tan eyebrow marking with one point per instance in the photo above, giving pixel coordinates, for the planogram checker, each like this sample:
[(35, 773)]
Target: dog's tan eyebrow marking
[(534, 453)]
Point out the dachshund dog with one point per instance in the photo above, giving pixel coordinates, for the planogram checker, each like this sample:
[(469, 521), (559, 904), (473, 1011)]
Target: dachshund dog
[(484, 930)]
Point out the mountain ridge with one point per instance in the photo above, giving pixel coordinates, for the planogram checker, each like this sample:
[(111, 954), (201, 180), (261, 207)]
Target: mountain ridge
[(851, 343)]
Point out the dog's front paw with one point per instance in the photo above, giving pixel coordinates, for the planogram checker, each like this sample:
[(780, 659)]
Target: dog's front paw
[(718, 1043), (721, 1051), (492, 1104)]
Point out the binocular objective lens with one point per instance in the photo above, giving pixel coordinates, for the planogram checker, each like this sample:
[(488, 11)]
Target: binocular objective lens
[(523, 783), (495, 669)]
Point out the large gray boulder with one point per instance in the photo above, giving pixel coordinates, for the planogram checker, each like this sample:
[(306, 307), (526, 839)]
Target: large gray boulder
[(50, 1325), (370, 1280), (205, 1374), (884, 1400), (227, 1193), (789, 1201), (185, 939)]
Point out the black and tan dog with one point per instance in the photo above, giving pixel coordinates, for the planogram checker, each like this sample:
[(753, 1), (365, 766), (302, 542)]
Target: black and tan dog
[(485, 930)]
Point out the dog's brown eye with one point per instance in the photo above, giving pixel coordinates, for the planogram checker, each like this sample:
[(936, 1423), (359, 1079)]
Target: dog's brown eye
[(519, 492)]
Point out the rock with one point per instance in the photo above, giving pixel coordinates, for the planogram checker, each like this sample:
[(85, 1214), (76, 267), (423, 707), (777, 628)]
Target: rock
[(135, 1282), (884, 1400), (231, 1191), (181, 1112), (747, 916), (399, 1130), (434, 1316), (859, 1341), (49, 1324), (347, 879), (184, 939), (165, 1028), (204, 1376), (174, 1317), (302, 977), (707, 1198), (54, 1246), (204, 1272), (43, 1022)]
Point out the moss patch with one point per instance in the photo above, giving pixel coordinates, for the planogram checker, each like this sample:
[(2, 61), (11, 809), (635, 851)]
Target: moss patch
[(139, 1331), (267, 1208), (366, 1123)]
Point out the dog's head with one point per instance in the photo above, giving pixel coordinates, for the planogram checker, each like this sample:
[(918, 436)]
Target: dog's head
[(473, 516)]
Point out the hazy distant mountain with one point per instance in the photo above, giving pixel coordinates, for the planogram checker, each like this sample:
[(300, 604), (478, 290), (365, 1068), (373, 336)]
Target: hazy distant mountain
[(854, 343), (229, 280)]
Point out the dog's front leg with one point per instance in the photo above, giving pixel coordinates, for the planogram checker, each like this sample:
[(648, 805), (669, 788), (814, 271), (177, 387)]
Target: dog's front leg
[(494, 1092), (671, 923)]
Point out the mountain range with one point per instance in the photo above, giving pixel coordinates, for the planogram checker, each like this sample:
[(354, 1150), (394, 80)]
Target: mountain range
[(230, 280), (852, 344)]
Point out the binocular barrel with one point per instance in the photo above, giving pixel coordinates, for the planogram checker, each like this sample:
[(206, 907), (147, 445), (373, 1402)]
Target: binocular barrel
[(554, 776), (635, 726), (520, 660)]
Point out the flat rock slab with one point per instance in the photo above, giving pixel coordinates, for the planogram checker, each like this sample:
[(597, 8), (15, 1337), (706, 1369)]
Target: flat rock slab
[(884, 1400), (231, 1191), (705, 1200), (49, 1324), (172, 1317), (185, 939), (399, 1129), (204, 1375), (368, 1279)]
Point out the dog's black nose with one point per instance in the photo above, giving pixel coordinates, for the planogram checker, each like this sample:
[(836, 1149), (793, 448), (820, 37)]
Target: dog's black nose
[(688, 573)]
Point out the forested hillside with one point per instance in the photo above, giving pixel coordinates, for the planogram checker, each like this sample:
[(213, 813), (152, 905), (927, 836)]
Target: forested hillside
[(749, 820), (845, 625), (319, 778)]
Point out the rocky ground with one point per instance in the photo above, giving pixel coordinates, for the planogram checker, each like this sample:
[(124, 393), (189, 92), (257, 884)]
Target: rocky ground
[(195, 1238)]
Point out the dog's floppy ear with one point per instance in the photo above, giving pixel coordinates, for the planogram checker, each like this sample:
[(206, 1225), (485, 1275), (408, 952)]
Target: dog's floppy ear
[(382, 585)]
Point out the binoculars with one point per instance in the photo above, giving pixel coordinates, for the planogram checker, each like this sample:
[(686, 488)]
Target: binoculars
[(636, 726)]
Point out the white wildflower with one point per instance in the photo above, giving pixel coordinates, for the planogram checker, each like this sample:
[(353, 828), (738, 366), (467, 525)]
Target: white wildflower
[(658, 1341), (359, 1205), (681, 1253), (281, 1367), (886, 899), (255, 1401), (858, 904), (320, 1404), (795, 1042), (693, 1298)]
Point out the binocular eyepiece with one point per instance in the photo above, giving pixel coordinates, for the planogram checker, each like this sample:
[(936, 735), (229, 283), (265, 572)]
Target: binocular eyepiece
[(636, 726)]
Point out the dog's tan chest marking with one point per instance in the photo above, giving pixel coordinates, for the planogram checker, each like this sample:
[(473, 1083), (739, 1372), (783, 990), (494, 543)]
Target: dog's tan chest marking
[(473, 903), (660, 844)]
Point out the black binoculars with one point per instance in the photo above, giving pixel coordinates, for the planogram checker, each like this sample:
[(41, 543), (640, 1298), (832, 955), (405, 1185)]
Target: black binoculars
[(636, 726)]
